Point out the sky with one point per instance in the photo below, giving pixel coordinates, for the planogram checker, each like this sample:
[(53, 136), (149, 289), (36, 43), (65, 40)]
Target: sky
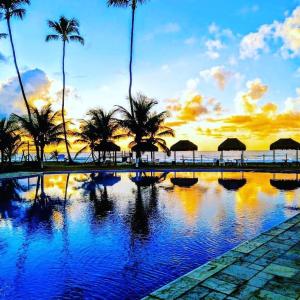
[(221, 69)]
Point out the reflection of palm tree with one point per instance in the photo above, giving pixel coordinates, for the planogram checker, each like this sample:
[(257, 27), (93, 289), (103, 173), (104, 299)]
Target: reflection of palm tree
[(96, 188), (145, 208), (67, 30)]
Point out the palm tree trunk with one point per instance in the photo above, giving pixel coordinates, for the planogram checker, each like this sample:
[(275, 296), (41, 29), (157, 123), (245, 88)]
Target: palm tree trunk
[(63, 103), (42, 157), (20, 81), (131, 60), (17, 69)]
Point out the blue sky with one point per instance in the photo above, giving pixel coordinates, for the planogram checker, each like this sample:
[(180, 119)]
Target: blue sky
[(183, 49)]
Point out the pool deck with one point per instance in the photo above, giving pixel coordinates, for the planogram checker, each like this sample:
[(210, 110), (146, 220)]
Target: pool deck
[(266, 267)]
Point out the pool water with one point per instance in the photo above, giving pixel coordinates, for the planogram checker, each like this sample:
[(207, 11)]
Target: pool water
[(123, 235)]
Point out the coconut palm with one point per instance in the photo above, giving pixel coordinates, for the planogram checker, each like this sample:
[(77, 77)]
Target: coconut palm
[(15, 9), (66, 30), (3, 36), (106, 126), (7, 136), (133, 5), (44, 128), (86, 136), (144, 124), (13, 145)]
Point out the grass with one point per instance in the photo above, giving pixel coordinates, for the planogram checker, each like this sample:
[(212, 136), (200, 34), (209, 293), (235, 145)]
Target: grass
[(61, 166)]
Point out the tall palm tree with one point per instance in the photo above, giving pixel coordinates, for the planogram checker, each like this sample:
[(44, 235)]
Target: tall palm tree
[(66, 30), (45, 128), (133, 5), (144, 123), (10, 9)]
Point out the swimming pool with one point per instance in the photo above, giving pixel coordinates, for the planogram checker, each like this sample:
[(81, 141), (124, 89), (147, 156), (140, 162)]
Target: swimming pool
[(123, 235)]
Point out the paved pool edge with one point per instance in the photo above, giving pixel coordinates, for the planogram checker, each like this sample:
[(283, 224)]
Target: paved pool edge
[(265, 267)]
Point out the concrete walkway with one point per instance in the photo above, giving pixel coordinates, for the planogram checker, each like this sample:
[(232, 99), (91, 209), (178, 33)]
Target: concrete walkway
[(267, 267)]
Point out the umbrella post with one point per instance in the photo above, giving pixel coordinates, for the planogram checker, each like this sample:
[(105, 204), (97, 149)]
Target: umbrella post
[(273, 156), (297, 155), (175, 156), (242, 157), (193, 157)]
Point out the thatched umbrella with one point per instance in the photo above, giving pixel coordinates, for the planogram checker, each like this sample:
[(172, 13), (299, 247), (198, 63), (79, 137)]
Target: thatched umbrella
[(107, 146), (145, 147), (232, 144), (184, 181), (232, 184), (285, 144), (184, 145)]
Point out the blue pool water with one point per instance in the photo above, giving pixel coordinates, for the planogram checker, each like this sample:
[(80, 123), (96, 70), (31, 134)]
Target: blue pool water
[(123, 235)]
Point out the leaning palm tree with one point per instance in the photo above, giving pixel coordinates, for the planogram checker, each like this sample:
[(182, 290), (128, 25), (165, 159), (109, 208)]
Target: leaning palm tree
[(10, 9), (66, 30), (133, 4), (45, 128)]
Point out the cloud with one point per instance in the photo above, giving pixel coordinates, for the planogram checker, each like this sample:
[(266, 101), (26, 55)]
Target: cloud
[(190, 41), (193, 109), (293, 104), (213, 47), (219, 74), (36, 85), (248, 9), (255, 43), (248, 99), (169, 28), (287, 32)]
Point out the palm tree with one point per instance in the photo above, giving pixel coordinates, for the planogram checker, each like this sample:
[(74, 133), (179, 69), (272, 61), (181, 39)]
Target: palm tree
[(3, 36), (67, 30), (133, 4), (143, 125), (8, 136), (10, 9), (13, 145), (87, 136), (44, 128)]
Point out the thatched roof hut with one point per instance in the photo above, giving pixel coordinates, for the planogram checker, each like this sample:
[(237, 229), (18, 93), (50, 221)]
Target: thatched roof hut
[(144, 147), (107, 146), (184, 145), (285, 185), (285, 144), (232, 144), (232, 184), (184, 182)]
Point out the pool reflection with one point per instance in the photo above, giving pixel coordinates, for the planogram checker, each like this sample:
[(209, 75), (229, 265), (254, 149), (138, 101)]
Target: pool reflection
[(125, 234)]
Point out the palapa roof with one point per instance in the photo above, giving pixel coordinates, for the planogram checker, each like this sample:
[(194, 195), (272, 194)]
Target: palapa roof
[(144, 147), (285, 144), (145, 181), (184, 182), (107, 146), (285, 185), (232, 184), (232, 144), (184, 145)]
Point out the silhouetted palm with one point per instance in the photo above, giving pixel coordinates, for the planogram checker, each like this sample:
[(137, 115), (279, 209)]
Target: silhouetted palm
[(13, 145), (15, 9), (106, 126), (66, 30), (144, 125), (8, 137), (86, 136), (3, 36), (45, 128), (133, 4)]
